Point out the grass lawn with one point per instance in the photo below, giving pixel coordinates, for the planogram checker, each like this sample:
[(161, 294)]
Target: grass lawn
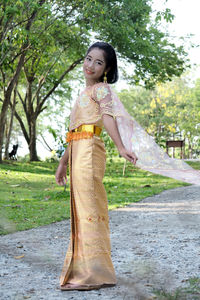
[(29, 196), (190, 292)]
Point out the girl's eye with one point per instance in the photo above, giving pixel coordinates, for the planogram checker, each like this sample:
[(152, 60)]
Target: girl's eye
[(99, 63), (88, 58)]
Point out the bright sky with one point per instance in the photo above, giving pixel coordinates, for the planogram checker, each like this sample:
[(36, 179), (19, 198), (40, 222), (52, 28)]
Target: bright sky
[(187, 21)]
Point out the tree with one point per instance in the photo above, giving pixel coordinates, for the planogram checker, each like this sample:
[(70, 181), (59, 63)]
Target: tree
[(8, 24), (55, 35)]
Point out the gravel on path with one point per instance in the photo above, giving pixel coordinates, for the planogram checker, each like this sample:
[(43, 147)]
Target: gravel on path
[(155, 244)]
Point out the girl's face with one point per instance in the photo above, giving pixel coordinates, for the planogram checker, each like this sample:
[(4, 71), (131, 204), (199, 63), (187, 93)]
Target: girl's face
[(94, 66)]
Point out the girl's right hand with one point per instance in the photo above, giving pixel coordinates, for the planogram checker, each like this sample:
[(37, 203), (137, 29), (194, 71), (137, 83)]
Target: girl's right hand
[(61, 174), (130, 156)]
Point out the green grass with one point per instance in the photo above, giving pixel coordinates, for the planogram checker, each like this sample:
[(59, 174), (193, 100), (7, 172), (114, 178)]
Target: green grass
[(29, 196), (190, 292), (194, 164)]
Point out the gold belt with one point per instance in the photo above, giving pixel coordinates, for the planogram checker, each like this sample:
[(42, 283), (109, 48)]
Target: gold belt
[(85, 131)]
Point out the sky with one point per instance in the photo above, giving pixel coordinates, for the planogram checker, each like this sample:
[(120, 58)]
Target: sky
[(186, 22)]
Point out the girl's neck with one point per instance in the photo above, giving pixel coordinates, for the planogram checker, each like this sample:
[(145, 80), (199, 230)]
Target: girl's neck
[(89, 83)]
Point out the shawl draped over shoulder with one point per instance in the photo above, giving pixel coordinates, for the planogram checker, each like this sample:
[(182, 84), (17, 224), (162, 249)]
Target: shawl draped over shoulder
[(150, 156)]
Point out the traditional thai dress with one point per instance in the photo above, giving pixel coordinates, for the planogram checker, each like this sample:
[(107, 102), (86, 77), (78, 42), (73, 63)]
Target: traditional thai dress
[(88, 259)]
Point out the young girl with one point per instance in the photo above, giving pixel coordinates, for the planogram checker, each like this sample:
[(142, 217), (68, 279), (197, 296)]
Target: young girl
[(88, 263)]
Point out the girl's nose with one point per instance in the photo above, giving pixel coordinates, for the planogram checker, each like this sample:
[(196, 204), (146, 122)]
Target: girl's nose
[(90, 64)]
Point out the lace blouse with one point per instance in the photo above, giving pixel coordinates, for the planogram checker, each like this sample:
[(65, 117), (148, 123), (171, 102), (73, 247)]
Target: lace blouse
[(92, 103)]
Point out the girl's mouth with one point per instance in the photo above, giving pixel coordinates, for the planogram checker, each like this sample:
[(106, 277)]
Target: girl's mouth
[(89, 72)]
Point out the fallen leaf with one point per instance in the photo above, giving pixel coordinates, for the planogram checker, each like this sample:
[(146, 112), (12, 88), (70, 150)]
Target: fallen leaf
[(18, 257)]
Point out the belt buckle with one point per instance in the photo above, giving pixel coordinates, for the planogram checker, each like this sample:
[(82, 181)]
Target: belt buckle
[(88, 128)]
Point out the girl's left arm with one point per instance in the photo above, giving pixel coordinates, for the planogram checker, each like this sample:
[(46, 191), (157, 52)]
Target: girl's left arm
[(111, 127)]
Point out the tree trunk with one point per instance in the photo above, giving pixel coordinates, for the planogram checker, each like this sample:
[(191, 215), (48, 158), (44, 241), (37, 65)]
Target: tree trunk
[(6, 154), (190, 151), (31, 136), (32, 144), (2, 126)]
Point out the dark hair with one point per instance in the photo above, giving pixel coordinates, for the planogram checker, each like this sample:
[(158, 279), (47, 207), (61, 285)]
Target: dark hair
[(110, 58)]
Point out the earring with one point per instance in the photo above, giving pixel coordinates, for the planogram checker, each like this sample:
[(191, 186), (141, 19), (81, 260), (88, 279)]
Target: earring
[(105, 77)]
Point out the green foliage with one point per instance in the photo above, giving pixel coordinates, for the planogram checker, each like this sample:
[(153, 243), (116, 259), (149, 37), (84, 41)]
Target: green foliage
[(109, 145), (63, 28), (169, 112), (14, 16), (129, 26), (60, 144)]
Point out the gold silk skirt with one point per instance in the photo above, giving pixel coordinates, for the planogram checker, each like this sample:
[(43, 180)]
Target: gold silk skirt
[(88, 258)]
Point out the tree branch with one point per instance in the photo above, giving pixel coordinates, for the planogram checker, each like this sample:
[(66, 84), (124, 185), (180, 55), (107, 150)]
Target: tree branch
[(50, 149), (25, 133), (42, 80), (42, 109), (22, 101), (73, 65)]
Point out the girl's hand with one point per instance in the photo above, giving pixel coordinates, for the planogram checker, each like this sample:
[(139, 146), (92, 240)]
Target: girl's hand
[(130, 156), (61, 174)]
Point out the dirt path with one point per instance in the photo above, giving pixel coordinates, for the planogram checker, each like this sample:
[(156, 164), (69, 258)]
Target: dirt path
[(155, 244)]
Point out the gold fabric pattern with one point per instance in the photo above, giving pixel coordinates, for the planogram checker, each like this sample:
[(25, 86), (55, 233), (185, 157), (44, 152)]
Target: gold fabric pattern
[(88, 259)]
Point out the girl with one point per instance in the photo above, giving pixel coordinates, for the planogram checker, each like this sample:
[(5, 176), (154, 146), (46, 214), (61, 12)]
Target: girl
[(88, 263)]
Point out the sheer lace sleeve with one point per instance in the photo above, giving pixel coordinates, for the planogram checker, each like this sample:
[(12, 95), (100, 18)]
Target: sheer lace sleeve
[(102, 94)]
